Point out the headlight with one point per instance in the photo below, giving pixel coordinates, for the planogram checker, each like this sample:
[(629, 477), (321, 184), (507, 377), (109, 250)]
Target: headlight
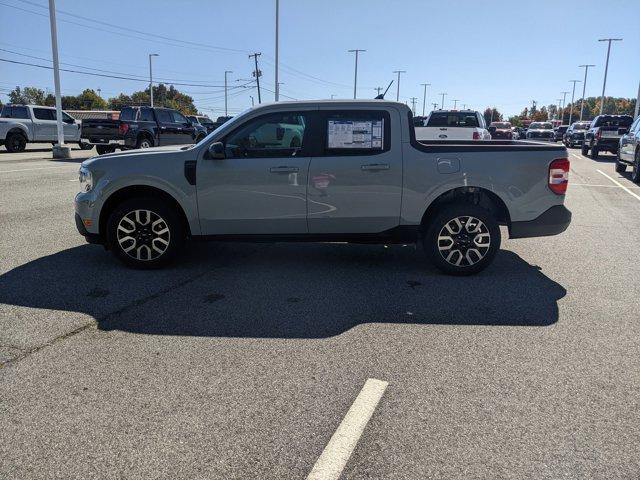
[(86, 179)]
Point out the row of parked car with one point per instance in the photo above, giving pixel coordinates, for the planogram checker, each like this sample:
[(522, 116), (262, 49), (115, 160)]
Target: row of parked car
[(136, 127)]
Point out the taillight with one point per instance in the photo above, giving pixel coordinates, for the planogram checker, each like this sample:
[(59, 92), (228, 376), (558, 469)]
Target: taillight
[(123, 128), (476, 135), (559, 176)]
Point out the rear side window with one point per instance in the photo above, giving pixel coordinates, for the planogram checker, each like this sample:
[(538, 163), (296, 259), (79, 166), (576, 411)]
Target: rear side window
[(127, 114), (453, 119), (43, 114), (164, 116), (356, 133), (146, 115), (19, 112)]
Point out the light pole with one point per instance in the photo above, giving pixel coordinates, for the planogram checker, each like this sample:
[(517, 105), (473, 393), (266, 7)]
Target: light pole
[(635, 114), (252, 101), (573, 94), (398, 86), (564, 104), (558, 110), (58, 151), (413, 105), (606, 68), (584, 87), (442, 105), (455, 103), (277, 93), (424, 96), (151, 76), (355, 78), (435, 105), (225, 91)]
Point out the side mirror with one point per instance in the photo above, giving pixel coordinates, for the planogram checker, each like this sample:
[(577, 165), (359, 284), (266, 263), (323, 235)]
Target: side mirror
[(216, 151)]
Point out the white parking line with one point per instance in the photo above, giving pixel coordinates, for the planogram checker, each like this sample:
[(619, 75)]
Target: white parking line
[(593, 185), (30, 169), (620, 185), (337, 452)]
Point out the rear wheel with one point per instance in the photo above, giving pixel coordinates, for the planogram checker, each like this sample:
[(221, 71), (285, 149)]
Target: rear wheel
[(15, 142), (145, 233), (635, 172), (462, 239), (104, 149), (85, 146), (144, 142), (620, 167)]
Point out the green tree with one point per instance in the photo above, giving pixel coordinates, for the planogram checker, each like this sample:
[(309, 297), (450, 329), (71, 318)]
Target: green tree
[(515, 121), (30, 95), (492, 115), (89, 100)]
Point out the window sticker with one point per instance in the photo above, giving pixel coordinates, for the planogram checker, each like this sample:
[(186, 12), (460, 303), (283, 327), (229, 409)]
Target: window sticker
[(361, 134)]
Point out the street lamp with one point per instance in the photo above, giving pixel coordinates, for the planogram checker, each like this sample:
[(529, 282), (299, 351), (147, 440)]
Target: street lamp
[(151, 76), (455, 103), (355, 79), (573, 94), (424, 97), (443, 94), (398, 85), (584, 87), (606, 68), (225, 91)]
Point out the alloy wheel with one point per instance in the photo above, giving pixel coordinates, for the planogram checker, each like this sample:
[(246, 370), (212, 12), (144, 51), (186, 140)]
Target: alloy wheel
[(143, 235), (464, 241)]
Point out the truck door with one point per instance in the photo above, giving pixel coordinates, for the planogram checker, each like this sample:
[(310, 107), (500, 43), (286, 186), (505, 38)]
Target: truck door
[(185, 131), (355, 181), (45, 125), (260, 186), (168, 129)]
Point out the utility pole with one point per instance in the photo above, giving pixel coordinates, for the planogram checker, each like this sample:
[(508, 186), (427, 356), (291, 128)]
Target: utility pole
[(413, 105), (435, 105), (252, 102), (455, 103), (558, 110), (398, 85), (257, 73), (584, 87), (59, 150), (424, 96), (573, 94), (277, 93), (151, 77), (225, 91), (564, 104), (606, 68), (464, 106), (378, 89), (443, 94), (355, 78)]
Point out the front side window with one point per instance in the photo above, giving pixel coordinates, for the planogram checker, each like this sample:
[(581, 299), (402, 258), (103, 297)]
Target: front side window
[(274, 135), (43, 114), (20, 112), (164, 116)]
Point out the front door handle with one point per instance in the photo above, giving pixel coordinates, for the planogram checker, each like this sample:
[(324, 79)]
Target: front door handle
[(284, 169), (375, 167)]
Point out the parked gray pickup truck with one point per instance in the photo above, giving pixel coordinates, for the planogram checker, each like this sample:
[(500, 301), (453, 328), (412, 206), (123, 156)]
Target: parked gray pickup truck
[(324, 171)]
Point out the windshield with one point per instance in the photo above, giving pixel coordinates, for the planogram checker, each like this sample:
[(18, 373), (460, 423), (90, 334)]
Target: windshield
[(501, 125), (206, 121), (541, 126), (452, 119)]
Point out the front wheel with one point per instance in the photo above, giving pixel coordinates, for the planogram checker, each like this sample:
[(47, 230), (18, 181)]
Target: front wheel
[(635, 172), (462, 239), (85, 146), (595, 152), (620, 167), (145, 233)]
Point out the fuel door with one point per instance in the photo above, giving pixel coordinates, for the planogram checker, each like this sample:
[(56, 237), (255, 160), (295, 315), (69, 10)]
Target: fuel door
[(448, 165)]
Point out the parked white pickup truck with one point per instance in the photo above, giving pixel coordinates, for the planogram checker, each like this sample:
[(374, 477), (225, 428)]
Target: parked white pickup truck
[(22, 124), (453, 125)]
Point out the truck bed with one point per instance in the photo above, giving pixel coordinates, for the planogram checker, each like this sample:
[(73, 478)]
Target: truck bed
[(101, 130)]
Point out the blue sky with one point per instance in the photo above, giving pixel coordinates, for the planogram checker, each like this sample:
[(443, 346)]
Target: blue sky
[(498, 53)]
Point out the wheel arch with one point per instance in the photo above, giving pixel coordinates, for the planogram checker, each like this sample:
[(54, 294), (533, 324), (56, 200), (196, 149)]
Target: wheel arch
[(137, 191), (473, 195), (19, 130)]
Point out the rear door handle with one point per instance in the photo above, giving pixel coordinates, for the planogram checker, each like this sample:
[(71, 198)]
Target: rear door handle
[(375, 166), (284, 169)]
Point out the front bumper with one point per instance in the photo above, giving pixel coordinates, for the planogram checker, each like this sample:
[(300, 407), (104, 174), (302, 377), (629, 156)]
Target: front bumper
[(89, 237), (552, 222)]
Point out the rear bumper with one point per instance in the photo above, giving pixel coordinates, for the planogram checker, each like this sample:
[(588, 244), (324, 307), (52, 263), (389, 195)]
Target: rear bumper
[(90, 141), (552, 222), (606, 143)]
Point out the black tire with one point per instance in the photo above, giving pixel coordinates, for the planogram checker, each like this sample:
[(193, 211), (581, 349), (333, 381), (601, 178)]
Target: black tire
[(595, 152), (15, 142), (620, 167), (144, 142), (635, 171), (85, 146), (130, 252), (104, 149), (585, 150), (199, 139), (442, 251)]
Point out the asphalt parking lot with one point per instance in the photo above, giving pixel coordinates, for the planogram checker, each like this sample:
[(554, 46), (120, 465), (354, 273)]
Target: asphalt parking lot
[(242, 360)]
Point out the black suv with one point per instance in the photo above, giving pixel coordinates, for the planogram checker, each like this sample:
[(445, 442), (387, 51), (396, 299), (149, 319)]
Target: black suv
[(604, 134), (575, 134)]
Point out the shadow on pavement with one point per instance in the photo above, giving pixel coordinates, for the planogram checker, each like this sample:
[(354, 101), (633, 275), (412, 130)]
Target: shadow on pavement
[(281, 290)]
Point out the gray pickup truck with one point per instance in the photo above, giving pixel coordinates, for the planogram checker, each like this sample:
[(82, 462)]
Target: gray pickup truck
[(349, 171)]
